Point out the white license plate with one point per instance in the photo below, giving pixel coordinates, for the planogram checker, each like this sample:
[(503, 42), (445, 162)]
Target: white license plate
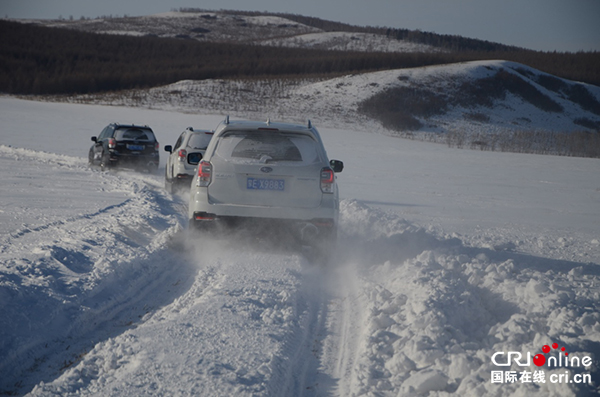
[(135, 147), (265, 184)]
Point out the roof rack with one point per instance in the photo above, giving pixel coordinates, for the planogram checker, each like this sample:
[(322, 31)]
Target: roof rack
[(130, 124), (226, 119)]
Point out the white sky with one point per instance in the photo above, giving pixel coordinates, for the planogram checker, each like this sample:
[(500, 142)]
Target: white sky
[(547, 25)]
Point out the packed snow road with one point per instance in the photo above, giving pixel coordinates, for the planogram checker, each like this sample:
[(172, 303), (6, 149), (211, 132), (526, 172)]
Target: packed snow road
[(445, 257)]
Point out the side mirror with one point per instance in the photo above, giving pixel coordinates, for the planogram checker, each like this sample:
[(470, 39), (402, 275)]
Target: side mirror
[(168, 148), (94, 139), (336, 165), (194, 158)]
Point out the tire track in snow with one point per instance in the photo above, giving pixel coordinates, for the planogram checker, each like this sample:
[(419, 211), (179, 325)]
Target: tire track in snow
[(297, 366), (320, 355), (223, 336), (344, 329)]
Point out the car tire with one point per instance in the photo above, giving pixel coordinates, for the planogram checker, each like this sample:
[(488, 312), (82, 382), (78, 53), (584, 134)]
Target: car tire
[(168, 182), (152, 168), (324, 248), (104, 162)]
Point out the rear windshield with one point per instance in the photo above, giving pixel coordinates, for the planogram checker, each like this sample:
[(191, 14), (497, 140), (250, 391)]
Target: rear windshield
[(199, 141), (134, 134), (267, 146)]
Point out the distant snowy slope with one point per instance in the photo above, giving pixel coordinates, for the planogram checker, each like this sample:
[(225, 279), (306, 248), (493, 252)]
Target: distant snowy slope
[(348, 41), (481, 100), (229, 27), (203, 26), (476, 96)]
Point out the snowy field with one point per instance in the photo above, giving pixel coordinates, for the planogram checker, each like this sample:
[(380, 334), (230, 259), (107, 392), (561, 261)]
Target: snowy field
[(445, 258)]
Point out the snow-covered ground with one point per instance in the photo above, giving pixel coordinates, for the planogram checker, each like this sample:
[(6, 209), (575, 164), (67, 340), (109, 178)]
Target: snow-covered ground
[(445, 258)]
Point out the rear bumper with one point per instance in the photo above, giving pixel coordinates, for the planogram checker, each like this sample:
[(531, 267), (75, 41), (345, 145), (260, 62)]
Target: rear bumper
[(327, 210), (305, 223), (305, 230), (183, 179), (120, 159)]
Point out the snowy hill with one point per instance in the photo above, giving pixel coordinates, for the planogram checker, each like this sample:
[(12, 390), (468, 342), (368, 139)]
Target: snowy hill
[(232, 27), (497, 105), (446, 257)]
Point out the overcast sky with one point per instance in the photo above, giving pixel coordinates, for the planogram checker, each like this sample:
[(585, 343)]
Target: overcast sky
[(547, 25)]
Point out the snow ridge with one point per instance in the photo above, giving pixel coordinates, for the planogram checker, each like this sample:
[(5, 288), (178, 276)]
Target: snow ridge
[(434, 318), (67, 276)]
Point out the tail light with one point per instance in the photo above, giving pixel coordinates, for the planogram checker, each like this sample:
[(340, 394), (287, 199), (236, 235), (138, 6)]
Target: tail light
[(112, 143), (182, 154), (204, 216), (327, 180), (204, 173), (156, 146)]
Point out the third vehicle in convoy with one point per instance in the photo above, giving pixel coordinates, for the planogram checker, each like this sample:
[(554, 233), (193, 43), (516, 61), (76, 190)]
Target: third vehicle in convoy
[(125, 146)]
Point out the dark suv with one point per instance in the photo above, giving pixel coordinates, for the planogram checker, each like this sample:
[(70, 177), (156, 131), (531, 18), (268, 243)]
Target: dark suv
[(125, 145)]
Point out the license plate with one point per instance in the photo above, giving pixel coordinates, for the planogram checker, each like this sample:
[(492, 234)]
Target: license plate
[(265, 184), (135, 147)]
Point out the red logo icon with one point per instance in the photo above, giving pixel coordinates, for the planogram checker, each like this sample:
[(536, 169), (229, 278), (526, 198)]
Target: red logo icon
[(540, 359)]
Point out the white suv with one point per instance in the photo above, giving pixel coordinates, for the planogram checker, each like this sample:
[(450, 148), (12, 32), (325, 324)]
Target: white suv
[(184, 157), (273, 175)]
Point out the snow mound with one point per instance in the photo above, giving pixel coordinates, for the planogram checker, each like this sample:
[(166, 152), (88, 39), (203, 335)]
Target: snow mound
[(436, 310)]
